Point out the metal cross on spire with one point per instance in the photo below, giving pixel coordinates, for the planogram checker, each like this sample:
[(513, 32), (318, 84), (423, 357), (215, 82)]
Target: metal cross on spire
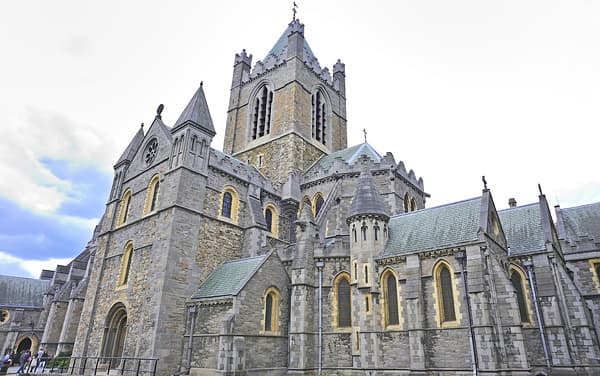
[(294, 11), (365, 132)]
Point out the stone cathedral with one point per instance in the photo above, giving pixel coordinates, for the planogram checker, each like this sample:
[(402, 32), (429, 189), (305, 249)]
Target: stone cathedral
[(291, 253)]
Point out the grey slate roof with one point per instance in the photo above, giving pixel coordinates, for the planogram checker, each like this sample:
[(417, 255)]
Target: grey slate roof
[(582, 221), (349, 155), (522, 226), (22, 292), (133, 146), (279, 51), (229, 278), (196, 112), (434, 228), (366, 198)]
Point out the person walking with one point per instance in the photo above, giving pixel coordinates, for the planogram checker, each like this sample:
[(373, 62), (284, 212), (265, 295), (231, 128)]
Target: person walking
[(25, 358)]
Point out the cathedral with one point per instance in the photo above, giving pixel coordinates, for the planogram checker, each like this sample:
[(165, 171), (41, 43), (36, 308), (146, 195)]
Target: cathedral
[(289, 252)]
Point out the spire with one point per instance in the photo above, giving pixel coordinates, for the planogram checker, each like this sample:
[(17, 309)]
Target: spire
[(196, 113), (366, 198), (132, 148)]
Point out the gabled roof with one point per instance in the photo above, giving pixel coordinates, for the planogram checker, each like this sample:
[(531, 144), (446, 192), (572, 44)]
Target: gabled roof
[(582, 221), (349, 155), (132, 148), (229, 278), (18, 292), (366, 198), (279, 51), (522, 226), (197, 113), (434, 228)]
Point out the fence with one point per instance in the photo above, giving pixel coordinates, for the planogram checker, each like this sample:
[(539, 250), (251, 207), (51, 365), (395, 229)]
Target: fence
[(90, 365)]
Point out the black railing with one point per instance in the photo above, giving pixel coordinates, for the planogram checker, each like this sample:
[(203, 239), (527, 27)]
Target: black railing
[(91, 365)]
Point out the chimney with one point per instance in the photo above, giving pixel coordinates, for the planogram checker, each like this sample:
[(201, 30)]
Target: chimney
[(512, 202)]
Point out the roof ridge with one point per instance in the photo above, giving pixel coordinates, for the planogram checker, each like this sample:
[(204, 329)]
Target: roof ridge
[(519, 207), (580, 206), (436, 207), (243, 259)]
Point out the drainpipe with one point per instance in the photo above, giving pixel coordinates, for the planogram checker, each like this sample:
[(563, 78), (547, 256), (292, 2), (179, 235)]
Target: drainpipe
[(528, 264), (193, 314), (320, 265), (461, 257)]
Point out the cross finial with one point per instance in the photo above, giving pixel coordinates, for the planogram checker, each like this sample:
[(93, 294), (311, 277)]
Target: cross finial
[(484, 183), (365, 132), (294, 11)]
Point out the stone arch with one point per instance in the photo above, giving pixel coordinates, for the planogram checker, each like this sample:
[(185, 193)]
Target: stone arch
[(124, 207), (391, 303), (260, 110), (445, 295), (317, 203), (519, 280), (272, 219), (115, 332), (342, 301), (320, 115), (229, 204), (152, 194)]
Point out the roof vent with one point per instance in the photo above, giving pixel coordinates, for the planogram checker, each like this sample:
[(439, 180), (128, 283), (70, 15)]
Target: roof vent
[(512, 202)]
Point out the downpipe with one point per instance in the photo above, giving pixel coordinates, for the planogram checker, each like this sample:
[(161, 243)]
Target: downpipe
[(320, 265), (461, 257), (528, 264)]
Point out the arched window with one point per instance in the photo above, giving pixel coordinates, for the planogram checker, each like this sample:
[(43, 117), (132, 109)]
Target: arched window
[(342, 309), (354, 233), (115, 332), (363, 231), (413, 204), (271, 310), (319, 117), (272, 219), (261, 112), (406, 203), (151, 195), (317, 204), (125, 265), (376, 231), (445, 293), (124, 207), (517, 278), (390, 296), (228, 207)]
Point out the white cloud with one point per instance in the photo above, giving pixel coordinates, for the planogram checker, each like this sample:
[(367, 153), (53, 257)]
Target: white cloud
[(29, 268), (26, 180)]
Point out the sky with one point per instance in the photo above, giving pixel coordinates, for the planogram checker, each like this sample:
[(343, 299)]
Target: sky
[(454, 89)]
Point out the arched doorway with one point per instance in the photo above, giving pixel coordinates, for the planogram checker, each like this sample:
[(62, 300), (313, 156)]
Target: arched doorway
[(115, 332), (25, 344)]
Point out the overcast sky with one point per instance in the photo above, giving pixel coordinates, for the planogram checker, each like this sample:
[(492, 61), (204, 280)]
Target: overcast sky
[(455, 89)]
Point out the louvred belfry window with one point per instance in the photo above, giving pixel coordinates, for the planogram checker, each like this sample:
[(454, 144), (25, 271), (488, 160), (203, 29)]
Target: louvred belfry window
[(262, 113), (319, 117)]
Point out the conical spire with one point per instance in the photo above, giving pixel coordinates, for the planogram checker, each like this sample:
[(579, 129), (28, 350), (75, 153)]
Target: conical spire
[(366, 198), (133, 146), (197, 113)]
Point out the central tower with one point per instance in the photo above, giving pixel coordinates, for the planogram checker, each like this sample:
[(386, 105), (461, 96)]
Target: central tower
[(286, 111)]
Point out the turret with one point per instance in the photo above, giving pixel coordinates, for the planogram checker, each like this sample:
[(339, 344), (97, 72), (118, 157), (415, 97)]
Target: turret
[(296, 40), (193, 133), (367, 220)]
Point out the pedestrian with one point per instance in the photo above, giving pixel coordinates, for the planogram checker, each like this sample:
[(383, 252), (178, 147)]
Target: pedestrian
[(5, 362), (24, 359), (40, 362)]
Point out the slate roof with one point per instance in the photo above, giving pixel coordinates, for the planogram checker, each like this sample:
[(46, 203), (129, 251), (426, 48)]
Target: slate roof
[(366, 198), (197, 112), (279, 51), (522, 226), (20, 292), (434, 228), (133, 146), (582, 221), (229, 278), (349, 155)]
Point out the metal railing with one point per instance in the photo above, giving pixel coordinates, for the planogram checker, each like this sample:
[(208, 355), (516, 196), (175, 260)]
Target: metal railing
[(92, 365)]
